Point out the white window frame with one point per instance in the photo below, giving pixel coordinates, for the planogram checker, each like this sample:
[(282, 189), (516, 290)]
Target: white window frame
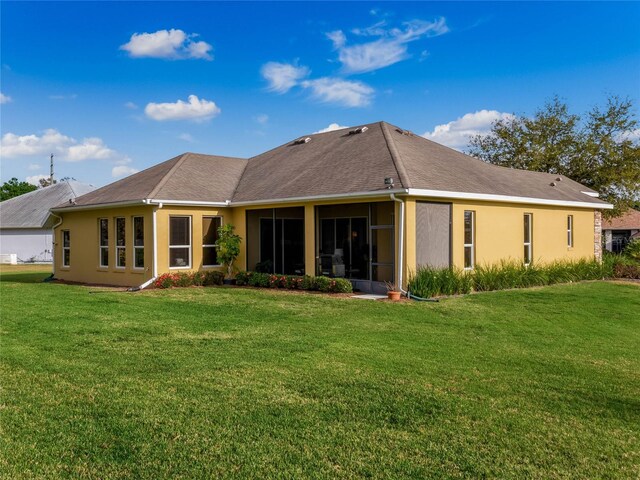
[(188, 266), (472, 245), (570, 231), (67, 248), (137, 247), (100, 245), (528, 258), (210, 245), (120, 247)]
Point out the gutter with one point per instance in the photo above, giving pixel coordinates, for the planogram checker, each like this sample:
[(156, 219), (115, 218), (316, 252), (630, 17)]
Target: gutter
[(339, 196), (490, 197), (101, 206)]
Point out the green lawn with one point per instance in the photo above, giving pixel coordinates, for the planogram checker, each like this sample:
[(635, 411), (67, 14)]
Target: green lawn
[(224, 382)]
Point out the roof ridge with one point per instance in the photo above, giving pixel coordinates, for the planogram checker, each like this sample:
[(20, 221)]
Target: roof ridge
[(395, 156), (168, 175)]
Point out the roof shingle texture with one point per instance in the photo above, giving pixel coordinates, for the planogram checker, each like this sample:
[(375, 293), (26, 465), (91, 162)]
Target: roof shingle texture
[(629, 220), (190, 176), (31, 210), (334, 163)]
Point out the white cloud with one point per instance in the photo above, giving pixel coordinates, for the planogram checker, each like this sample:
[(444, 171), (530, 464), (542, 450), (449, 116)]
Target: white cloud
[(122, 171), (65, 148), (456, 134), (282, 77), (331, 128), (131, 106), (195, 109), (186, 137), (35, 179), (262, 118), (33, 167), (5, 98), (632, 135), (390, 48), (339, 91), (171, 44), (90, 149)]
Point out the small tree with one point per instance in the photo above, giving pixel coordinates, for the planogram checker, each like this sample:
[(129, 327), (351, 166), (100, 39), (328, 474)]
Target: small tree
[(15, 188), (228, 244)]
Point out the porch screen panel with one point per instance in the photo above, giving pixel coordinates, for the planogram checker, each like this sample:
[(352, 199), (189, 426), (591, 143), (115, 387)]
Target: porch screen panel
[(433, 234)]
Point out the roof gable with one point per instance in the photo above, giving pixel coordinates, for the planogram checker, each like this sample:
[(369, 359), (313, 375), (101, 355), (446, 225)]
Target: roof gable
[(31, 210)]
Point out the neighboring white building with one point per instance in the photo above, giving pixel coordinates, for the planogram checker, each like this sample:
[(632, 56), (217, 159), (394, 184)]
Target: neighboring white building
[(25, 223)]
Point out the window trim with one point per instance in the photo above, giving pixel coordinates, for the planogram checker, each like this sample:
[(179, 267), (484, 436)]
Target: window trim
[(210, 245), (118, 247), (133, 241), (569, 231), (529, 244), (472, 245), (68, 249), (100, 245), (185, 267)]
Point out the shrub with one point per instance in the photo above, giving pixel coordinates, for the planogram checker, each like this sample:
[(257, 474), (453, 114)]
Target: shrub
[(308, 283), (242, 278), (183, 279), (228, 244), (164, 281), (259, 279), (342, 285), (632, 250), (197, 278), (431, 282), (323, 284), (212, 277)]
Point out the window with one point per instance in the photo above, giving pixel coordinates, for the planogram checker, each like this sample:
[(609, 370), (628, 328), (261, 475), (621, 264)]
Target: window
[(103, 226), (121, 251), (66, 248), (138, 242), (570, 231), (469, 239), (210, 227), (528, 221), (179, 242)]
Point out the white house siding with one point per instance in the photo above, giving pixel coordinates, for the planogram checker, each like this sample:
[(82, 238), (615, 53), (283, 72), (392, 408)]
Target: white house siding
[(29, 244)]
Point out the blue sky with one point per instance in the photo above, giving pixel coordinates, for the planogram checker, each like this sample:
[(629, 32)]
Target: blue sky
[(115, 87)]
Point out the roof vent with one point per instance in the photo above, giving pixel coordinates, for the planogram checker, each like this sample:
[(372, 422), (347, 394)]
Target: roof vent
[(408, 133), (302, 141), (558, 179), (358, 130), (388, 181), (553, 184)]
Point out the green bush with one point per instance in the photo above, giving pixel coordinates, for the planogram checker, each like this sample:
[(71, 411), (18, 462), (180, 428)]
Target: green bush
[(183, 279), (632, 250), (242, 278), (212, 277), (308, 283), (432, 282), (259, 279), (323, 284), (341, 285), (197, 279)]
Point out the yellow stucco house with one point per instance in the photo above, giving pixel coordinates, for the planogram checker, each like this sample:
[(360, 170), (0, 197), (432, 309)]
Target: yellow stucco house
[(369, 204)]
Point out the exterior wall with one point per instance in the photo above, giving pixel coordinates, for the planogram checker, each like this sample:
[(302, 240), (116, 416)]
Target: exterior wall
[(84, 265), (597, 235), (29, 244), (196, 214), (499, 232)]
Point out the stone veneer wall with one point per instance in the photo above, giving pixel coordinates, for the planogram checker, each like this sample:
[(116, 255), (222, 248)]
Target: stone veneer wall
[(597, 237)]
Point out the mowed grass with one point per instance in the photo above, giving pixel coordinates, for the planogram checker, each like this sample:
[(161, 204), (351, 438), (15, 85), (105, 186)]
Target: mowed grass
[(241, 383)]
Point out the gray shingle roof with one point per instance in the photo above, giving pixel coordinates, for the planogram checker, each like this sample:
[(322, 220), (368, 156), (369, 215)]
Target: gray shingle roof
[(31, 210), (190, 176), (334, 163)]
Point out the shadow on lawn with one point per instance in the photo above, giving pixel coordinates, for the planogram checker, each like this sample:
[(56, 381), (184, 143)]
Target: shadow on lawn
[(30, 277)]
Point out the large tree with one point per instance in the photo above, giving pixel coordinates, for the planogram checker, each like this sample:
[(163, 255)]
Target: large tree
[(599, 149), (14, 188)]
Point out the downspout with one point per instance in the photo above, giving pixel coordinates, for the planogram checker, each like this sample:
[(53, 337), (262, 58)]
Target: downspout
[(400, 242)]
